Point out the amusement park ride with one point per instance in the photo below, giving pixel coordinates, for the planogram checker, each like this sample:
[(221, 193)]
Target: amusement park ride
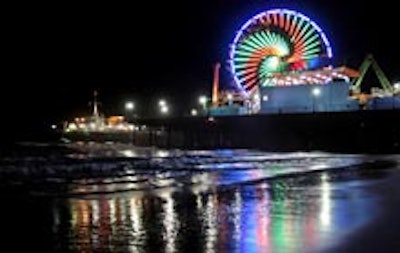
[(279, 57), (386, 89), (281, 62)]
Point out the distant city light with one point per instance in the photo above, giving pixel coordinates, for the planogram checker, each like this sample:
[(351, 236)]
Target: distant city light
[(53, 126), (397, 86)]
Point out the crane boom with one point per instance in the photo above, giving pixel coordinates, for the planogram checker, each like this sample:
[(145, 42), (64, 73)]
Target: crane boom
[(370, 61)]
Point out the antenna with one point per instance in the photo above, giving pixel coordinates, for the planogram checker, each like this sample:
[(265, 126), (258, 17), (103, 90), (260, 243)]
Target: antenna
[(95, 107)]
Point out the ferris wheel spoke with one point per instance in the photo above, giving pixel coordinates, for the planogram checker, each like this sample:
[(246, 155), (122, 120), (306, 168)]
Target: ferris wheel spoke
[(287, 23), (292, 26), (257, 40), (266, 37)]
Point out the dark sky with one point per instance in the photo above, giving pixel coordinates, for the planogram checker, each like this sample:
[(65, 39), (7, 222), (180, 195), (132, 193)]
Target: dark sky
[(59, 53)]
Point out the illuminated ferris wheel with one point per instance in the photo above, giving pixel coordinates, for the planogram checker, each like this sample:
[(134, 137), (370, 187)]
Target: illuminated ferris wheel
[(274, 42)]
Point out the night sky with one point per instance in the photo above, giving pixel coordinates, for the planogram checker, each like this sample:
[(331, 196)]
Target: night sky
[(58, 54)]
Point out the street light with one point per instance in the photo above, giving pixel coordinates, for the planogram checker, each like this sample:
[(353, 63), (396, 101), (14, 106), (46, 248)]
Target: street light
[(162, 103), (163, 106), (193, 112), (230, 98), (164, 109), (316, 92), (203, 102), (129, 106)]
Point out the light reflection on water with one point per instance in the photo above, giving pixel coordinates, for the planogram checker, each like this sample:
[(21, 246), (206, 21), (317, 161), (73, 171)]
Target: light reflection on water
[(221, 203), (268, 217)]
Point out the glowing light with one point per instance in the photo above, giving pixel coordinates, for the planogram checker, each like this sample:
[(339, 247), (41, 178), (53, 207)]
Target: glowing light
[(163, 106), (72, 127), (129, 106), (164, 109), (129, 153), (136, 216), (270, 64), (211, 223), (202, 100), (316, 91), (277, 40), (162, 153), (170, 223), (193, 112), (325, 212)]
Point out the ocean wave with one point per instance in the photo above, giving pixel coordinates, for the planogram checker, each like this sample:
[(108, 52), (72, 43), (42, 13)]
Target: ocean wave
[(110, 169)]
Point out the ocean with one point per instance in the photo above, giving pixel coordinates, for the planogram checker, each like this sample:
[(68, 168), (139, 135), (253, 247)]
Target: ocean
[(121, 198)]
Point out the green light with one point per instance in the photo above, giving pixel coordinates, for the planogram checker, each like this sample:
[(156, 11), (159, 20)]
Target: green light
[(312, 46), (252, 43), (271, 62), (309, 32)]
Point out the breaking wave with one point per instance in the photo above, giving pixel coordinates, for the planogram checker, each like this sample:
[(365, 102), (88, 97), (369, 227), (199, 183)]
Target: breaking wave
[(105, 168)]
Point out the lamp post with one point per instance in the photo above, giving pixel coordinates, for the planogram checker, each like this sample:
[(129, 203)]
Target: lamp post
[(230, 99), (315, 92), (129, 108), (163, 107), (203, 103)]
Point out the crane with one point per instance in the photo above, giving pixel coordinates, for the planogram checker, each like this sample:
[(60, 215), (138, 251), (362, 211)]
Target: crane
[(370, 61), (387, 88)]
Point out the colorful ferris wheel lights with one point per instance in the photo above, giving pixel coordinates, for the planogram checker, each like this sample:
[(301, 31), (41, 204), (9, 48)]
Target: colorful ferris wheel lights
[(276, 41)]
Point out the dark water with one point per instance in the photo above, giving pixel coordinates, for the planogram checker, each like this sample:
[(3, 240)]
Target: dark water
[(124, 199)]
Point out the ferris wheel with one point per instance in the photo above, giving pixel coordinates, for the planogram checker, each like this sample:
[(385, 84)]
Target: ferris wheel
[(274, 42)]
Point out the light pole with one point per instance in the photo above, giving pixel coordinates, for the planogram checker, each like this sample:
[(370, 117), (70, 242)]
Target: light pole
[(129, 108), (203, 102), (315, 92), (230, 99), (163, 107)]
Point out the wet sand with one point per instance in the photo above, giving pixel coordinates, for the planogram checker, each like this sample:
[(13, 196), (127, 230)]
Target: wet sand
[(227, 201), (382, 233)]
